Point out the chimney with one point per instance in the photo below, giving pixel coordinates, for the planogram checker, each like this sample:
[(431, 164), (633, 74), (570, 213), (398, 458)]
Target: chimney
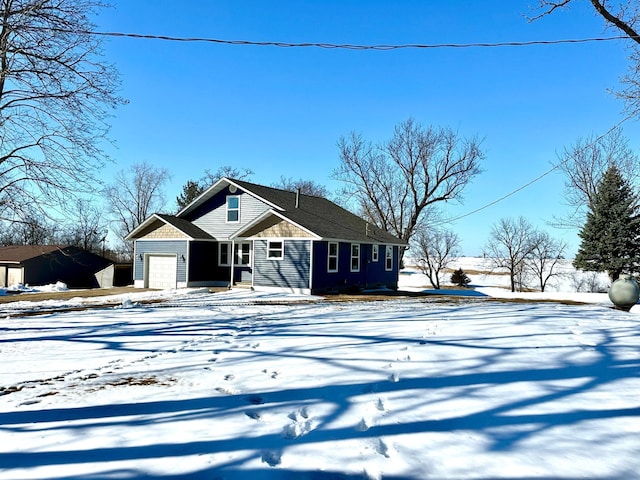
[(297, 198)]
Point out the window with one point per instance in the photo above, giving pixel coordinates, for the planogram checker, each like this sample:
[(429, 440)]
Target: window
[(375, 252), (332, 257), (233, 209), (388, 259), (242, 254), (223, 254), (355, 257), (275, 250)]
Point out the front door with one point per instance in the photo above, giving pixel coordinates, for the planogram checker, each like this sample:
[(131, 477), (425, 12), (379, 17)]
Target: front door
[(242, 262)]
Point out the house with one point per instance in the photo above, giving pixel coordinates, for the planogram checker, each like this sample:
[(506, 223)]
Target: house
[(47, 264), (240, 233)]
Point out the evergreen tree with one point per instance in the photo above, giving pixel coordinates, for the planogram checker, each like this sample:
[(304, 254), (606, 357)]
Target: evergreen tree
[(190, 191), (458, 277), (610, 235)]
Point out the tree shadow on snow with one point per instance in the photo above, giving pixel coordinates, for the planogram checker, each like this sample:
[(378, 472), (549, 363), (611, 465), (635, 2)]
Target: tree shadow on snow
[(505, 425)]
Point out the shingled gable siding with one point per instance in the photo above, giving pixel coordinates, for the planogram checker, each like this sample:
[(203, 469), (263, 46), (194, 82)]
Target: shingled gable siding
[(292, 272), (212, 217), (275, 227), (160, 247), (164, 231)]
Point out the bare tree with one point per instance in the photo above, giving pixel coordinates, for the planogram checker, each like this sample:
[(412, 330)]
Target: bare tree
[(308, 187), (436, 249), (135, 194), (509, 246), (584, 164), (395, 183), (87, 228), (226, 171), (32, 229), (55, 97), (624, 17), (546, 253)]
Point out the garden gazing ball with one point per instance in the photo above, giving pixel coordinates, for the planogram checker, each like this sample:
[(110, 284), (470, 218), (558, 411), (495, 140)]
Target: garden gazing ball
[(624, 292)]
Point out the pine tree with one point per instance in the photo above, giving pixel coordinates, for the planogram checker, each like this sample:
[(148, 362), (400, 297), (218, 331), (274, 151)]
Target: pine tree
[(611, 233), (190, 191), (458, 277)]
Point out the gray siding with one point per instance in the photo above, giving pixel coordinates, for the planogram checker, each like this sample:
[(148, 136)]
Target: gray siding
[(290, 272), (167, 247), (215, 221)]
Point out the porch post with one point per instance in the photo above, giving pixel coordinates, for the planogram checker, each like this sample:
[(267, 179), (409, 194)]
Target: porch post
[(232, 257)]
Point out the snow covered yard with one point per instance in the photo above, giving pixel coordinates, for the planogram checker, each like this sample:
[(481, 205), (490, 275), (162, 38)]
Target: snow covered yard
[(206, 386)]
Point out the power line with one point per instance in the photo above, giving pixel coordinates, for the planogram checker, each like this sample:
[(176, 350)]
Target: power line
[(383, 47), (536, 179), (345, 46)]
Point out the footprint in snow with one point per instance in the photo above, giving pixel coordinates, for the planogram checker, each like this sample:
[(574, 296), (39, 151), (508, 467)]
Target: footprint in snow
[(253, 415), (255, 399), (384, 448), (271, 458), (302, 424), (367, 422)]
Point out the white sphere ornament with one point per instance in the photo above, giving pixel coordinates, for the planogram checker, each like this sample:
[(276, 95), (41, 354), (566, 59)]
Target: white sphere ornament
[(624, 292)]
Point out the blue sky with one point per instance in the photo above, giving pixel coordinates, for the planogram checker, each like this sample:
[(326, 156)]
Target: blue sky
[(280, 111)]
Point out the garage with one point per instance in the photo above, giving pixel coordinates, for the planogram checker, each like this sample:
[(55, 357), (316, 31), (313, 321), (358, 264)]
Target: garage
[(162, 270)]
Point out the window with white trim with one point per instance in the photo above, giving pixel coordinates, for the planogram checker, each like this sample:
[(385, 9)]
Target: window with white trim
[(375, 252), (275, 249), (388, 258), (233, 209), (242, 254), (223, 254), (332, 257), (355, 257)]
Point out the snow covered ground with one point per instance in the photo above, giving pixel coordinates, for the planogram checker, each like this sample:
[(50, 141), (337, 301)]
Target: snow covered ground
[(243, 385)]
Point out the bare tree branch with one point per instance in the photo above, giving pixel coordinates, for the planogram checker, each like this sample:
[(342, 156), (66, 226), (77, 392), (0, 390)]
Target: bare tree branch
[(395, 183), (56, 94)]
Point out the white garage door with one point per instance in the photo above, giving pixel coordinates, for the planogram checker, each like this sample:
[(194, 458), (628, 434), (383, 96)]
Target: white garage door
[(162, 271)]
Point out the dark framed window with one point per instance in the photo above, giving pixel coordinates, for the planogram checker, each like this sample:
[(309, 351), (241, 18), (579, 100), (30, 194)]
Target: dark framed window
[(223, 254), (275, 249)]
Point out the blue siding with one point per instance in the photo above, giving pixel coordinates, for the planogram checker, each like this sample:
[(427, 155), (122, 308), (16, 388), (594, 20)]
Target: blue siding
[(290, 272), (371, 273), (177, 247)]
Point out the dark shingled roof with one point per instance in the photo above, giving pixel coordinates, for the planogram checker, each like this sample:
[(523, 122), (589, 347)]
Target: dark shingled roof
[(186, 227), (321, 216), (20, 253)]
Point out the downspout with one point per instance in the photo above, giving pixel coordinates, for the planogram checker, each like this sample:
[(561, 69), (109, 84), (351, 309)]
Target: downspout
[(232, 258), (312, 244)]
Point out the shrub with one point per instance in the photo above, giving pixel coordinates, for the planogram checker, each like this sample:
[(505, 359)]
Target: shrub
[(458, 277)]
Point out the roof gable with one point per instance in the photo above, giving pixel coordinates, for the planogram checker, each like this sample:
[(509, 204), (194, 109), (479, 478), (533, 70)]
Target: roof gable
[(177, 228)]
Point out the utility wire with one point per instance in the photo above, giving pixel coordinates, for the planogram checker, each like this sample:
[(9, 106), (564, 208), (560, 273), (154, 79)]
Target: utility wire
[(536, 179), (347, 46), (344, 46)]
